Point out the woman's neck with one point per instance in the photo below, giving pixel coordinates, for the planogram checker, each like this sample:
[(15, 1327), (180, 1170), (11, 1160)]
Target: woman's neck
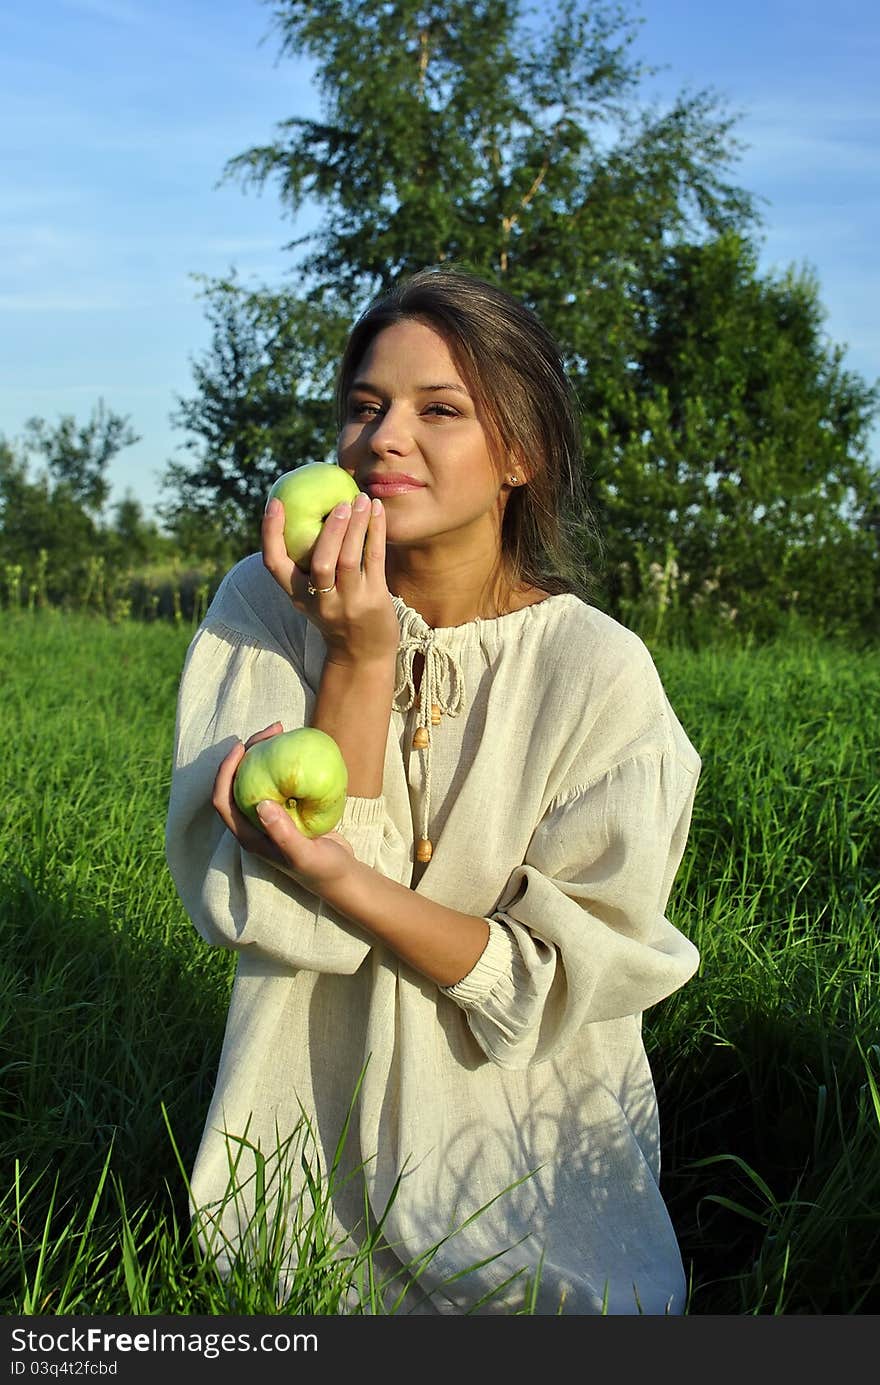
[(448, 592), (456, 595)]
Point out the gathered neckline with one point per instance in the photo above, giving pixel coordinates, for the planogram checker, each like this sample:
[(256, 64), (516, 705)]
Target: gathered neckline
[(478, 622)]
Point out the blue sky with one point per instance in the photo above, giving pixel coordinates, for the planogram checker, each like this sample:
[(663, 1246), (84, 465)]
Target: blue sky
[(117, 117)]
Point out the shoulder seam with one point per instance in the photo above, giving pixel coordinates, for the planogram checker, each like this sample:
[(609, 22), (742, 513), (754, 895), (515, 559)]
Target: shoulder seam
[(657, 753), (228, 632)]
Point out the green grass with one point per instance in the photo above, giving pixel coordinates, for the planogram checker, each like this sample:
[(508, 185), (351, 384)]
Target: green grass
[(112, 1010)]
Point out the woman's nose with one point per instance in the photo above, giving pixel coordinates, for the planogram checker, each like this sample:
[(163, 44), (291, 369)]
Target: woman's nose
[(390, 432)]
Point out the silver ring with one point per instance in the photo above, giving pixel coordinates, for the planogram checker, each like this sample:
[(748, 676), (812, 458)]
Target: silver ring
[(320, 591)]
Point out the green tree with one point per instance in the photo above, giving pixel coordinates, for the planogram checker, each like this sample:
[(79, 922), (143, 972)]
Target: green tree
[(132, 540), (518, 144), (78, 455), (44, 532), (452, 131), (52, 528), (741, 443), (515, 143), (262, 406)]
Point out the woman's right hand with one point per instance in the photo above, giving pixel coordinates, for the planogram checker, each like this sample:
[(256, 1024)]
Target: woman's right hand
[(356, 617)]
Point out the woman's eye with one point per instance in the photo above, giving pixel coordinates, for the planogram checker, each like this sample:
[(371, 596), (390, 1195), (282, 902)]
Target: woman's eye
[(360, 409), (443, 410)]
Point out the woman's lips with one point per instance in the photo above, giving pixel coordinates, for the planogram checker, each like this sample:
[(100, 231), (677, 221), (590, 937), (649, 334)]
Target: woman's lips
[(380, 490)]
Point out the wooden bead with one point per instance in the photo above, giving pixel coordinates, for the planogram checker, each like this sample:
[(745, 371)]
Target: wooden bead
[(424, 850), (436, 714), (420, 739)]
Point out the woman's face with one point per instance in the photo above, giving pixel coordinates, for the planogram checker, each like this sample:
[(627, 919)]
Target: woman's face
[(409, 414)]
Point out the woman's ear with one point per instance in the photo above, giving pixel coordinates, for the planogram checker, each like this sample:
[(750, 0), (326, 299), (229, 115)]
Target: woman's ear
[(515, 471)]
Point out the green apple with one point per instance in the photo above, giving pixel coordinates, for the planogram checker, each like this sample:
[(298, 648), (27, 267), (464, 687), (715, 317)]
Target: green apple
[(303, 770), (308, 494)]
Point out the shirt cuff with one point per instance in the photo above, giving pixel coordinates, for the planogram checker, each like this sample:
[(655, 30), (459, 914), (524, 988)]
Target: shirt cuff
[(362, 812), (496, 961), (372, 836)]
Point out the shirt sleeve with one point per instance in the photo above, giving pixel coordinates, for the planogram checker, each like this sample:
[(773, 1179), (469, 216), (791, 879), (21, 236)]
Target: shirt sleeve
[(580, 934), (232, 685)]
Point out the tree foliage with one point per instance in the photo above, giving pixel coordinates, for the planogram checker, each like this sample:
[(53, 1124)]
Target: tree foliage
[(37, 516), (475, 132), (262, 406), (53, 538), (78, 455), (720, 426), (741, 444)]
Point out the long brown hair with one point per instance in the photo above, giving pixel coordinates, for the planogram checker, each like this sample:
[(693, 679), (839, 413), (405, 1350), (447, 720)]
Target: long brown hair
[(513, 368)]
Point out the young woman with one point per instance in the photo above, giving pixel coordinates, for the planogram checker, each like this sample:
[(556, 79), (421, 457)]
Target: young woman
[(481, 934)]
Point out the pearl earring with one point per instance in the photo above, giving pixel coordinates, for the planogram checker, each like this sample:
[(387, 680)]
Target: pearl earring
[(514, 480)]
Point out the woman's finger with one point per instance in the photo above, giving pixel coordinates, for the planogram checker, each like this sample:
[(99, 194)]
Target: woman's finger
[(325, 553), (299, 587), (374, 548), (315, 861), (222, 798), (275, 556), (351, 550), (273, 730)]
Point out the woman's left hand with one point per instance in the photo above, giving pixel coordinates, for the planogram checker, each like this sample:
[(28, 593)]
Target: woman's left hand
[(319, 863)]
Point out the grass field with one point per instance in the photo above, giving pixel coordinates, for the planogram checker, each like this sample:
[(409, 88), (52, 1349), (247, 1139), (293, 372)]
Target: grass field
[(112, 1009)]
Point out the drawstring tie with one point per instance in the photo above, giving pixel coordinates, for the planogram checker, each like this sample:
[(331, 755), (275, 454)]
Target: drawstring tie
[(440, 670)]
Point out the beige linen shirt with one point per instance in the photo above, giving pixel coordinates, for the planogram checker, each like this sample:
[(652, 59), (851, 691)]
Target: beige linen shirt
[(557, 790)]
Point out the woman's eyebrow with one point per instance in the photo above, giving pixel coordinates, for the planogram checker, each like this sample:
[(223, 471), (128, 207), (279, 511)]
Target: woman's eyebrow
[(420, 389), (429, 389)]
